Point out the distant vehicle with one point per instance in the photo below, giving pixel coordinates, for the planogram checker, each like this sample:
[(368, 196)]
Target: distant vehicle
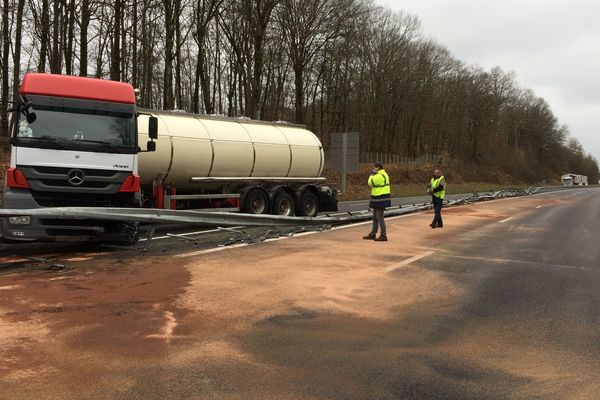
[(574, 180)]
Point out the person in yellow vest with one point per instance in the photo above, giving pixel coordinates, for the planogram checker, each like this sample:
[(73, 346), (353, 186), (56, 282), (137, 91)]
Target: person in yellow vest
[(437, 189), (379, 182)]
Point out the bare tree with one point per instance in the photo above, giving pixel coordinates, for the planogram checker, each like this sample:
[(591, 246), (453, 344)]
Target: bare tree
[(171, 9), (17, 48), (4, 67), (43, 22), (115, 50), (84, 23), (245, 25), (307, 26), (205, 11)]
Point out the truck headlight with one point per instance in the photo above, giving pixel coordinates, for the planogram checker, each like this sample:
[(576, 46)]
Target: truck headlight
[(20, 220)]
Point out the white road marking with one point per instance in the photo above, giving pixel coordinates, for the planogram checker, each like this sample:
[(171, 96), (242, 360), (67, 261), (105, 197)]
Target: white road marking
[(524, 262), (212, 250), (189, 233), (167, 329), (539, 207), (408, 261), (506, 219), (74, 259), (369, 222), (11, 287)]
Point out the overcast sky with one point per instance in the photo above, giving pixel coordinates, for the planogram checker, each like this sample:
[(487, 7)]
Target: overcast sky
[(553, 47)]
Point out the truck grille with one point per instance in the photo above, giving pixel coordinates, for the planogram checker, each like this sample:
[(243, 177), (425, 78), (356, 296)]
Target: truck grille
[(56, 179)]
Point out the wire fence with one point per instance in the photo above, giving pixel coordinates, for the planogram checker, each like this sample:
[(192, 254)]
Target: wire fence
[(397, 159)]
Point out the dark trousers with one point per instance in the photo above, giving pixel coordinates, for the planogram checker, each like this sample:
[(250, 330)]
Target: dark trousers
[(437, 209), (378, 221)]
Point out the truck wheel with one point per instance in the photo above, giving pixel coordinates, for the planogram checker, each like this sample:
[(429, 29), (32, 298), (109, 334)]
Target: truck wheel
[(256, 201), (283, 204), (121, 233), (129, 234), (308, 205)]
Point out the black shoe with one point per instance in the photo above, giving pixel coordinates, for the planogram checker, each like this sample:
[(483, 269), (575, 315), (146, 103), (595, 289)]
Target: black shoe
[(432, 226), (382, 238), (370, 236)]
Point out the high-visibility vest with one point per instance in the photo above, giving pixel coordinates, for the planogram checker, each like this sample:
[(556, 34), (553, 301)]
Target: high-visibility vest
[(379, 183), (434, 183)]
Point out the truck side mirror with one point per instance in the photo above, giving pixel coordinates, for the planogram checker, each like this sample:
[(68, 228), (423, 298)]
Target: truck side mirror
[(153, 128), (151, 146)]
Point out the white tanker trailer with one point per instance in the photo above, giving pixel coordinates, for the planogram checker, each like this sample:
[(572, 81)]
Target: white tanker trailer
[(261, 167)]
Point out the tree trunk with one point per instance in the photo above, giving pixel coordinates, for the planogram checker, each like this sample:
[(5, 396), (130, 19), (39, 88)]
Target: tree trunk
[(178, 44), (168, 100), (115, 53), (17, 52), (70, 33), (44, 36), (134, 46), (124, 56), (5, 75), (299, 95), (205, 83), (83, 37), (55, 59)]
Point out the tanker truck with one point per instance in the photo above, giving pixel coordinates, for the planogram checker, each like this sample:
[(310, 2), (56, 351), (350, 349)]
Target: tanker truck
[(75, 143)]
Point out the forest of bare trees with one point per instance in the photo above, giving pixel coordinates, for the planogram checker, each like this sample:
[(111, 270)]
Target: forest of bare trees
[(334, 65)]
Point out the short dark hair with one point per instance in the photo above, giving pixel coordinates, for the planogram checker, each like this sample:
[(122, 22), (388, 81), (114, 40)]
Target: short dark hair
[(378, 165)]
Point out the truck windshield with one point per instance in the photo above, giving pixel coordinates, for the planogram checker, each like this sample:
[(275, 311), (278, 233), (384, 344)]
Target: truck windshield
[(77, 129)]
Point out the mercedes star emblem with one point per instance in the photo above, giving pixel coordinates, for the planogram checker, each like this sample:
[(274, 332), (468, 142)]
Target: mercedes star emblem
[(76, 177)]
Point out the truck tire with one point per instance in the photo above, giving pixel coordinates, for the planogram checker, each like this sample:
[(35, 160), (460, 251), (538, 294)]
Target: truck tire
[(283, 204), (308, 206), (128, 234), (256, 201)]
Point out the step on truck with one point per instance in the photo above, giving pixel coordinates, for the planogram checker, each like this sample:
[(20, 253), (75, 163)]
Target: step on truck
[(76, 143)]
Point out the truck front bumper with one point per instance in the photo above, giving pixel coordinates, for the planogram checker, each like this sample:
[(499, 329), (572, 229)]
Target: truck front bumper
[(42, 229)]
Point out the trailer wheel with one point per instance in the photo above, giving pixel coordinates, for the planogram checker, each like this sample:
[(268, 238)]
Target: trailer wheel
[(256, 201), (283, 204), (308, 205)]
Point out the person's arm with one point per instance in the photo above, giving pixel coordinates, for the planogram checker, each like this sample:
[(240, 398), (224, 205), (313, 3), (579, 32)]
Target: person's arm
[(439, 187), (377, 180), (370, 181)]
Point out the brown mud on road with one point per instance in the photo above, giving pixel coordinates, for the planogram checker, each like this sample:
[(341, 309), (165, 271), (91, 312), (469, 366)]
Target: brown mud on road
[(325, 315)]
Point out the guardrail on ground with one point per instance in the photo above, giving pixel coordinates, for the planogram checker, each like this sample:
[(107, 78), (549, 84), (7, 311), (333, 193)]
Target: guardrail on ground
[(156, 217)]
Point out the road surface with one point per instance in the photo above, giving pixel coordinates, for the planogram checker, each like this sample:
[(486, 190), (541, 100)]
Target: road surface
[(503, 302)]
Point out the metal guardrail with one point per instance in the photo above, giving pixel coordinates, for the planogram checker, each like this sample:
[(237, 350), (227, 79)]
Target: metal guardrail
[(226, 219), (159, 216)]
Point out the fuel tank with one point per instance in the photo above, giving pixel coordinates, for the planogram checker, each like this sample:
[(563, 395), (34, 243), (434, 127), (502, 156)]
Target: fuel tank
[(191, 145)]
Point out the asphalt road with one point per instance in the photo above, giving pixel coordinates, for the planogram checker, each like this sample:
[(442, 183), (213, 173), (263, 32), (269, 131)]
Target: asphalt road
[(501, 303), (532, 300)]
